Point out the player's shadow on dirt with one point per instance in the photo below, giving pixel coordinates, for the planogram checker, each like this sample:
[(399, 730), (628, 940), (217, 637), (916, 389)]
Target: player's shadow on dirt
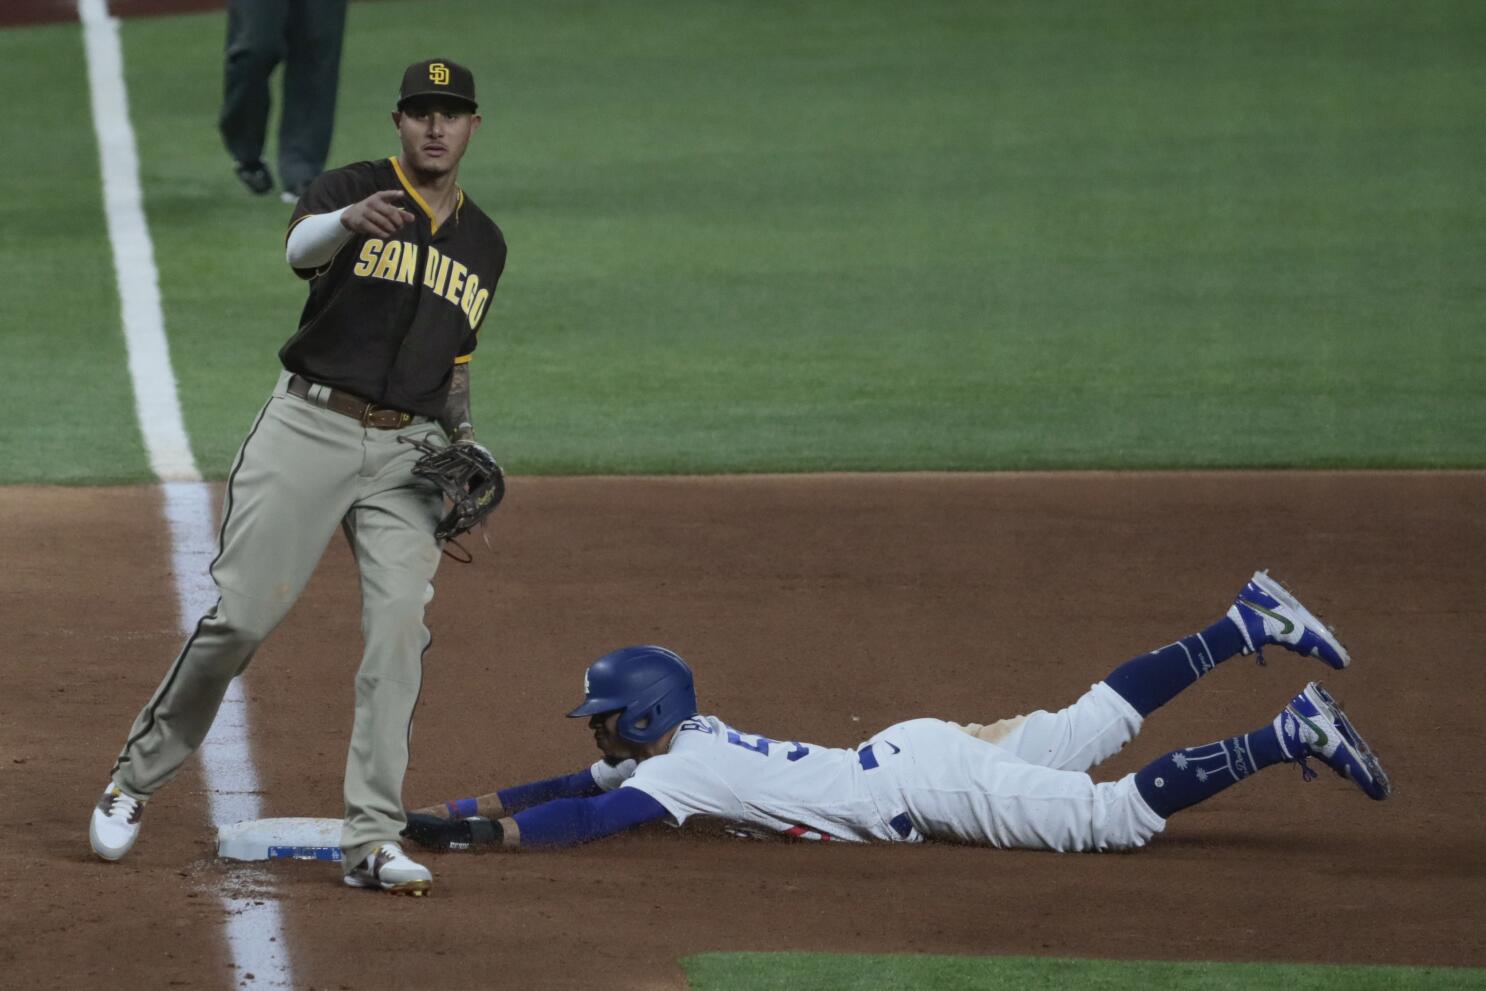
[(1282, 844), (1263, 841)]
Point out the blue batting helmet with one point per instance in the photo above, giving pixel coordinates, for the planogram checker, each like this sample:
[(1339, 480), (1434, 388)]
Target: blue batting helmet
[(650, 686)]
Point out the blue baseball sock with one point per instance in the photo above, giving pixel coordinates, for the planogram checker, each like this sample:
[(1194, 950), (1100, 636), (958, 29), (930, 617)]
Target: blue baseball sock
[(1185, 777), (1151, 680)]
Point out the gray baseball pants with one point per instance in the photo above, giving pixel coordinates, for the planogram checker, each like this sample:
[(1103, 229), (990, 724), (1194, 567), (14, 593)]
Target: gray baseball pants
[(302, 472)]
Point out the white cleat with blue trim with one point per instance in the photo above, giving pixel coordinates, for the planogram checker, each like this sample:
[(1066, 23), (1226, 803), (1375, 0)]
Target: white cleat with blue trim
[(1268, 613), (1313, 725)]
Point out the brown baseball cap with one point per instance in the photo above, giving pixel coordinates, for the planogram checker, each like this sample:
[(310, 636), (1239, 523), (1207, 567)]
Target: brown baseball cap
[(437, 77)]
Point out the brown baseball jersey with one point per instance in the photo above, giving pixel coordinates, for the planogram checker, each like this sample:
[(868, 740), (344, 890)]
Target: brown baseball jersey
[(387, 319)]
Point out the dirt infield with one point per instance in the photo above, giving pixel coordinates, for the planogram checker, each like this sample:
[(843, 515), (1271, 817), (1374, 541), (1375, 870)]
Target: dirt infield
[(816, 608)]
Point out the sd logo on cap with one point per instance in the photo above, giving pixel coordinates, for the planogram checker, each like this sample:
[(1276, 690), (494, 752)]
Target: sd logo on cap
[(439, 77)]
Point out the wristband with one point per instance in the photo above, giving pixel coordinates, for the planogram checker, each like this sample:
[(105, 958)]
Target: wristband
[(463, 808)]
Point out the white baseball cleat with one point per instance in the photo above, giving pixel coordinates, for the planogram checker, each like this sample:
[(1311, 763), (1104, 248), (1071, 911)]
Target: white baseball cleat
[(115, 824), (1267, 612), (387, 868), (1314, 725)]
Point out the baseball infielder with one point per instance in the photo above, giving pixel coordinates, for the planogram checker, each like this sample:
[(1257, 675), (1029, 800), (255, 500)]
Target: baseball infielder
[(401, 267), (1019, 782)]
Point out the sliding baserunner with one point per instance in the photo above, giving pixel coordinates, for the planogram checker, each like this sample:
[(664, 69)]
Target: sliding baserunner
[(1017, 783)]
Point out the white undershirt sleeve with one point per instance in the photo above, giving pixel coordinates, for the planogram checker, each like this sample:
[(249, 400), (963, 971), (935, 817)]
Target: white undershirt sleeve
[(316, 239)]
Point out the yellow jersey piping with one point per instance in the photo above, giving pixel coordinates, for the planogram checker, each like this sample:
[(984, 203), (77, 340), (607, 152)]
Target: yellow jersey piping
[(433, 223)]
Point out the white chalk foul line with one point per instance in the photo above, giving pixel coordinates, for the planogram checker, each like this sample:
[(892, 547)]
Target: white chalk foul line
[(255, 936), (133, 251)]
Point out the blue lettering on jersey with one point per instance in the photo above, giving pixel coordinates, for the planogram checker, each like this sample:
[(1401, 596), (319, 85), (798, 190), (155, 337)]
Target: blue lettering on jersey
[(695, 724), (868, 759), (797, 750), (761, 747)]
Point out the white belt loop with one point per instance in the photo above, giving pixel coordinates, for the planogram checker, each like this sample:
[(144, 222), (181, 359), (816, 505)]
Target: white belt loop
[(319, 395)]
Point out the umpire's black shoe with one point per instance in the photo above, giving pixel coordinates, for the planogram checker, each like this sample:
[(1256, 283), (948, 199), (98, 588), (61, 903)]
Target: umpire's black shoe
[(255, 176)]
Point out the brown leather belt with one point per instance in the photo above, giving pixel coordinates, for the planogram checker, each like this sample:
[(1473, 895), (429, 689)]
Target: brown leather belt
[(367, 414)]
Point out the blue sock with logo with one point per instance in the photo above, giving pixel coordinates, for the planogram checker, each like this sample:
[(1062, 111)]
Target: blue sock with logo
[(1185, 777), (1151, 680)]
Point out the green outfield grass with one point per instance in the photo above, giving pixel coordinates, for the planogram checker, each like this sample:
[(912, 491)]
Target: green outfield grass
[(68, 412), (859, 235), (795, 971)]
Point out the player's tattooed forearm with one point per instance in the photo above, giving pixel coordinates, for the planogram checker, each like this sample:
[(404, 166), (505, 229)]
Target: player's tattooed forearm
[(456, 416)]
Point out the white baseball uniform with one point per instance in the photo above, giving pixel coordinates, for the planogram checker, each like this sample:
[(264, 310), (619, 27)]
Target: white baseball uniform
[(916, 780)]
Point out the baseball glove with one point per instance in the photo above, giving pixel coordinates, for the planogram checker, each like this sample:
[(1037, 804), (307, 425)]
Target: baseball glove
[(452, 834), (434, 833), (469, 478)]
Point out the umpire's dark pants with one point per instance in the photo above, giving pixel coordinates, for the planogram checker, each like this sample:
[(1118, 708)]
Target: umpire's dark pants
[(306, 36)]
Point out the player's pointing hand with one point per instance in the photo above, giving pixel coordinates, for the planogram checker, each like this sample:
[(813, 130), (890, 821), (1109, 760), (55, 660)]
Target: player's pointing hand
[(381, 213)]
